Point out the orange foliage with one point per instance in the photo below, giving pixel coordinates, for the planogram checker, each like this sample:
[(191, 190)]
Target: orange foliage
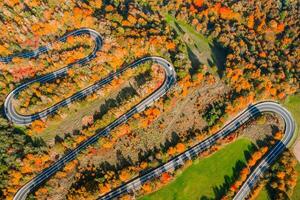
[(47, 15), (4, 51), (124, 175), (60, 175), (105, 188), (126, 197), (244, 173), (33, 163), (262, 54), (280, 175), (251, 22), (193, 9), (198, 3), (261, 25), (280, 28), (32, 3), (171, 46), (144, 165), (15, 177), (132, 19), (107, 144), (11, 3), (171, 151), (41, 191), (180, 148), (126, 23), (147, 188), (227, 13), (70, 166), (123, 129), (96, 3), (38, 126), (152, 113), (264, 150), (281, 95), (165, 177), (109, 8), (278, 135)]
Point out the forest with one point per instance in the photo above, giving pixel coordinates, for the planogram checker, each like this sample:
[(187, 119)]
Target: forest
[(257, 40)]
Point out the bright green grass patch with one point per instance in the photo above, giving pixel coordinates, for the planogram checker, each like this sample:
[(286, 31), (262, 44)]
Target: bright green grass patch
[(186, 28), (198, 43), (205, 175), (293, 105), (263, 195)]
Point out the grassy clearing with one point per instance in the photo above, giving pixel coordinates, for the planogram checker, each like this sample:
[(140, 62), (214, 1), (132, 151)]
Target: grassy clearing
[(205, 178), (263, 195), (72, 119), (293, 105), (201, 49)]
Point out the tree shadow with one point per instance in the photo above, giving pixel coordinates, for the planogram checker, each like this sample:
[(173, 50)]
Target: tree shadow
[(195, 62), (221, 190), (122, 161), (168, 143), (142, 78), (219, 55)]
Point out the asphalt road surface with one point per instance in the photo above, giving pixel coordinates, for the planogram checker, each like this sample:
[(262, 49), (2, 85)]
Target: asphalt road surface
[(170, 79)]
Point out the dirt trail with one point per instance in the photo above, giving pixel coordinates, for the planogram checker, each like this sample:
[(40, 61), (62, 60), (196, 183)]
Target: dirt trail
[(296, 150)]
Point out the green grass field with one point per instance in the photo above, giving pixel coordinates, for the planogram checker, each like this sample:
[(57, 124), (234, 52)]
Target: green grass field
[(263, 195), (293, 105), (205, 178)]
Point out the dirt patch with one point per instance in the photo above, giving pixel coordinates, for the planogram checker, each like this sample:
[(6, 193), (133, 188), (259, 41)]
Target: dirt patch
[(166, 130), (296, 150), (263, 126)]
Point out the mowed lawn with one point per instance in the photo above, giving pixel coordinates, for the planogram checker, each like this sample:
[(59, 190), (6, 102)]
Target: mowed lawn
[(293, 105), (200, 179)]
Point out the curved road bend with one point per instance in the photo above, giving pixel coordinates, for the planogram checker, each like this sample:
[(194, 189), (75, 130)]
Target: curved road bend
[(10, 111), (249, 113), (170, 78), (12, 115), (17, 118)]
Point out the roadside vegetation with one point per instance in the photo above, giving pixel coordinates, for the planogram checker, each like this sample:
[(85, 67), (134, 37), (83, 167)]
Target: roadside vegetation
[(292, 103), (226, 54)]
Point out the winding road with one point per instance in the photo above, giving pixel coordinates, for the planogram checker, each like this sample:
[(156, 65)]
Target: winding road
[(242, 118), (170, 79)]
